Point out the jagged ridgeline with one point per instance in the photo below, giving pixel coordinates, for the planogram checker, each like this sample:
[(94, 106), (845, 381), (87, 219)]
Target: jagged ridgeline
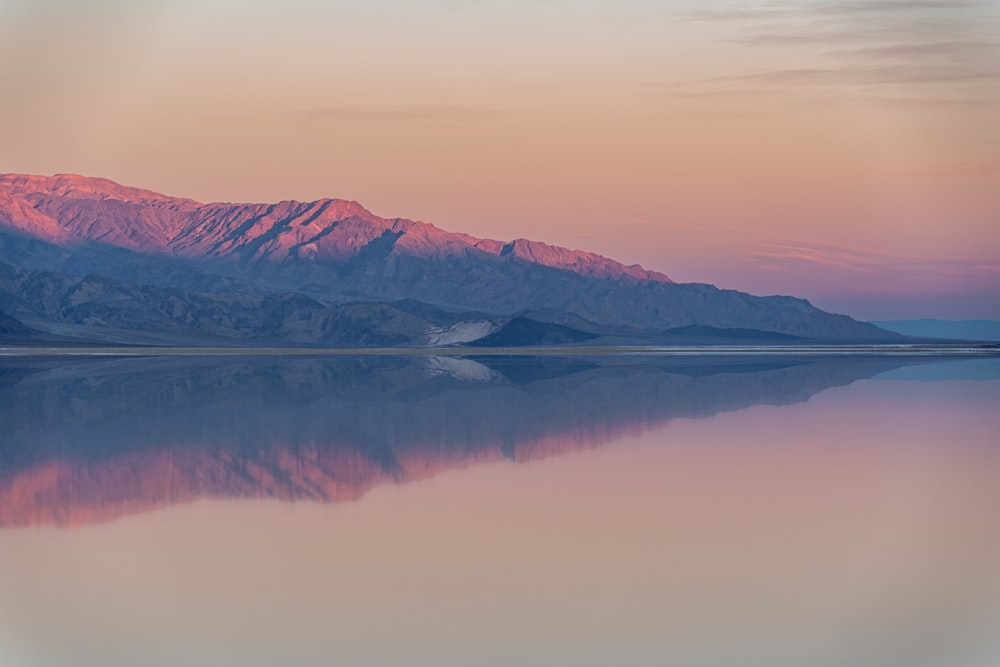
[(87, 258)]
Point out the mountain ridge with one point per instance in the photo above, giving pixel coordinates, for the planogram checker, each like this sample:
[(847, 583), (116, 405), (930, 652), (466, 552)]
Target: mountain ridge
[(190, 228), (335, 252)]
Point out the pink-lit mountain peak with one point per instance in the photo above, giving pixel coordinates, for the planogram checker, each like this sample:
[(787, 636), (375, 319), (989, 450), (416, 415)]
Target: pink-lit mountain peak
[(65, 208), (18, 215), (74, 186), (579, 261)]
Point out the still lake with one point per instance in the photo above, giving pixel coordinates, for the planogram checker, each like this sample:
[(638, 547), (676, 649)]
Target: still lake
[(495, 511)]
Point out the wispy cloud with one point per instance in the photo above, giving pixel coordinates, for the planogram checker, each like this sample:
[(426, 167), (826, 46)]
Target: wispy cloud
[(987, 268), (910, 44), (924, 50), (707, 229), (441, 115), (827, 260), (826, 254), (860, 74), (772, 10), (451, 114), (796, 259), (826, 257)]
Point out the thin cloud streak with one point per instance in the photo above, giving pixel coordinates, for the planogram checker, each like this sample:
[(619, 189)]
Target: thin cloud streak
[(891, 271), (836, 9), (840, 266), (933, 50), (407, 114), (918, 43), (861, 75)]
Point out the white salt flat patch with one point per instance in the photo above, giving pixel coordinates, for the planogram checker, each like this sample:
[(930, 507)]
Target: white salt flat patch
[(463, 332)]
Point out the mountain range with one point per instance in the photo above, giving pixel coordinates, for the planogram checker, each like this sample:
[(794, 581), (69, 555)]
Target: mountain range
[(88, 259)]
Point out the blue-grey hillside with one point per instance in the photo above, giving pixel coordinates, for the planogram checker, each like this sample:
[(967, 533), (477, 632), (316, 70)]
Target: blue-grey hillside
[(151, 262)]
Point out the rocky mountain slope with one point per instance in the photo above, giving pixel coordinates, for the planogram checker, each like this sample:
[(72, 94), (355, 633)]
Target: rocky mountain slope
[(11, 327), (332, 252)]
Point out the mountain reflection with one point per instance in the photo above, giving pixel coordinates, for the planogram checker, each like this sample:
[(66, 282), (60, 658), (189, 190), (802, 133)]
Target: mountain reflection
[(89, 441)]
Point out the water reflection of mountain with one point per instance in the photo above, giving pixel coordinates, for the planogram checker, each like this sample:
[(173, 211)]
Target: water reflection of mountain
[(89, 441)]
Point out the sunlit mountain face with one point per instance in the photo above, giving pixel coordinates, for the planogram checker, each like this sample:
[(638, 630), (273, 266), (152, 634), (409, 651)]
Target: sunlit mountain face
[(91, 441), (70, 207), (90, 258)]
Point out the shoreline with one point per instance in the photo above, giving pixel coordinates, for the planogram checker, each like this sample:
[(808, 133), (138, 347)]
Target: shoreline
[(985, 350)]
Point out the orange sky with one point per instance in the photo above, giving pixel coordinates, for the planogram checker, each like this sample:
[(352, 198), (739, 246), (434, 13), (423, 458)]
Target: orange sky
[(845, 152)]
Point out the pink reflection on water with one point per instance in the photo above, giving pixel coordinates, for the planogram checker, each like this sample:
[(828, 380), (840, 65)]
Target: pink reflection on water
[(857, 528)]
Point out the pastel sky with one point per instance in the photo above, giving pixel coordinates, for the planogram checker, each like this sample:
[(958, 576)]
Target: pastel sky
[(847, 152)]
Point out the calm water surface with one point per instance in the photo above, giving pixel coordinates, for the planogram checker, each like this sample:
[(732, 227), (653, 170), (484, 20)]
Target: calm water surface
[(445, 511)]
